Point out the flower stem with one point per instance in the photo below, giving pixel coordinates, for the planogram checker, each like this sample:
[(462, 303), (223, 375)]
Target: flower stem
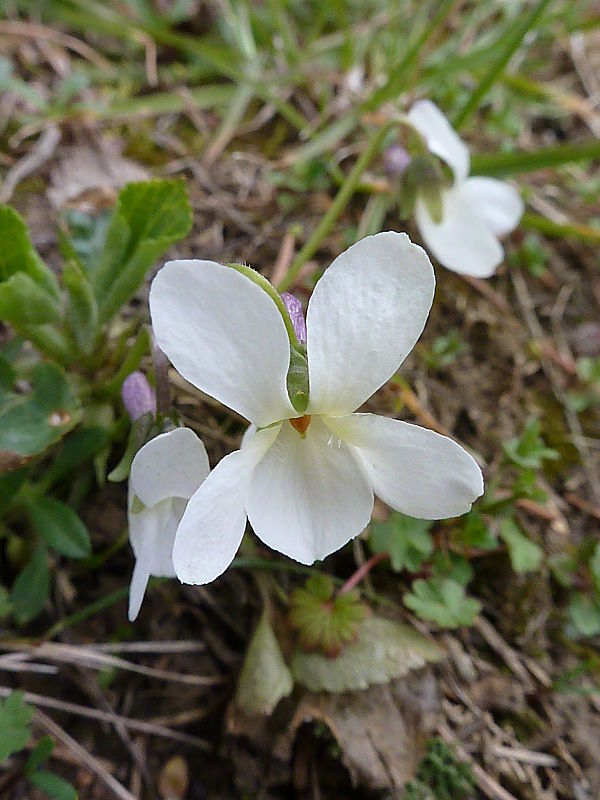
[(342, 199), (361, 572)]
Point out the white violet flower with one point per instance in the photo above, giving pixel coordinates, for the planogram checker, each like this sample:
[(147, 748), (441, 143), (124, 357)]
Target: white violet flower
[(305, 478), (475, 211), (165, 473)]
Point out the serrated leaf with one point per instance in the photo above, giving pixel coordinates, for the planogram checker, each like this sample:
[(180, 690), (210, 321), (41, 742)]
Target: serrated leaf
[(442, 601), (529, 450), (31, 588), (325, 621), (15, 717), (18, 254), (384, 650), (29, 423), (475, 534), (525, 555), (60, 527), (265, 679), (24, 302), (406, 539), (148, 218), (53, 785)]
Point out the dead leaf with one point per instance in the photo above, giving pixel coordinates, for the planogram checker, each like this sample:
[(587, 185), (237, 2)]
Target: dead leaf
[(89, 178), (381, 731), (174, 779)]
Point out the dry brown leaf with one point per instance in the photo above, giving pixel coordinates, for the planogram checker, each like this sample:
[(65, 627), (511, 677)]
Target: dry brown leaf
[(174, 779)]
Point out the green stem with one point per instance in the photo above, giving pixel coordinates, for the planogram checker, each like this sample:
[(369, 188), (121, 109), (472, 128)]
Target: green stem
[(502, 164), (516, 35), (89, 611), (582, 232), (340, 202)]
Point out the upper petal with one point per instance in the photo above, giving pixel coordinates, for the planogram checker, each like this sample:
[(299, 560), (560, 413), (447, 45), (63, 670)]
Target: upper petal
[(307, 496), (412, 469), (441, 137), (173, 464), (462, 241), (364, 316), (224, 334), (213, 525), (497, 202)]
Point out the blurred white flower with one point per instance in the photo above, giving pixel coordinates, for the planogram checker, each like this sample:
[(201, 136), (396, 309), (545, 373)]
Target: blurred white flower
[(165, 473), (305, 479), (475, 211)]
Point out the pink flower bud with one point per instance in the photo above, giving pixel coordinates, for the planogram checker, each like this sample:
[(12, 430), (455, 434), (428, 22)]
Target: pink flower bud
[(138, 396), (395, 160), (294, 307)]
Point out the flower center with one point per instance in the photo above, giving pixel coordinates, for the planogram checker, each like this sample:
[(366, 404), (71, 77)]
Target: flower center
[(301, 424)]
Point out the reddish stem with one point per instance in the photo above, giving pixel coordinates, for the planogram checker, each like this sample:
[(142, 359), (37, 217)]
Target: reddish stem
[(360, 573)]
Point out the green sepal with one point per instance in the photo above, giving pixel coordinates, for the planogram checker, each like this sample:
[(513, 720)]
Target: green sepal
[(25, 302), (423, 178), (297, 380), (82, 309)]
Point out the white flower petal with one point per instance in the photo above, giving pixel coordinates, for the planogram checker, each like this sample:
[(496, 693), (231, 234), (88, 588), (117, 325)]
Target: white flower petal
[(307, 496), (441, 137), (137, 589), (224, 334), (152, 534), (213, 525), (364, 317), (412, 469), (173, 464), (462, 241), (497, 202)]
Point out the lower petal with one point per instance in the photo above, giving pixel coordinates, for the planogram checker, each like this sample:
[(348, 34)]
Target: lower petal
[(498, 203), (214, 521), (137, 589), (462, 241), (412, 469), (308, 497)]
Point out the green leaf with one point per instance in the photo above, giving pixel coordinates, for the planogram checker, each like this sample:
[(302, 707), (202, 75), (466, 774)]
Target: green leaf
[(148, 218), (525, 555), (53, 785), (442, 601), (29, 423), (82, 309), (60, 527), (24, 302), (325, 621), (406, 539), (10, 483), (76, 448), (595, 566), (529, 450), (31, 589), (384, 650), (19, 255), (40, 753), (585, 614), (475, 534), (15, 717), (85, 239), (265, 678), (5, 604)]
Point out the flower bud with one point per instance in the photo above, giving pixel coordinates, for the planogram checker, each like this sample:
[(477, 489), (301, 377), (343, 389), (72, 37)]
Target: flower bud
[(294, 307), (138, 396), (395, 160)]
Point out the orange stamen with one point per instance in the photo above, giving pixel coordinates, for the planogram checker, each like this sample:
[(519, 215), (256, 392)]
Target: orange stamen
[(301, 424)]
